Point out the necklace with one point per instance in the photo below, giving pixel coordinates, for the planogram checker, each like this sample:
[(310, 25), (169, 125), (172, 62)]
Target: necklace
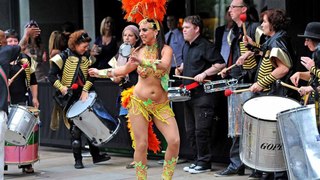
[(150, 52)]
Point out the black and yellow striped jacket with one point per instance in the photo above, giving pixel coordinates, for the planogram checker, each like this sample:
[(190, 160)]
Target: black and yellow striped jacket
[(63, 68)]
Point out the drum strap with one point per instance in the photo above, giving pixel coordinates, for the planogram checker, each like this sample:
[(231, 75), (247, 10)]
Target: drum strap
[(192, 85), (5, 79), (76, 77)]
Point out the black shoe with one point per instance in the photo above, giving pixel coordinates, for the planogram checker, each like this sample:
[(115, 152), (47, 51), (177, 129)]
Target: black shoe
[(255, 175), (27, 169), (101, 158), (199, 169), (230, 172), (130, 165), (78, 164)]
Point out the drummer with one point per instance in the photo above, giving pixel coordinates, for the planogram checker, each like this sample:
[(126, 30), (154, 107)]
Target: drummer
[(312, 41), (201, 60), (63, 74), (244, 71), (277, 61), (23, 84), (7, 54)]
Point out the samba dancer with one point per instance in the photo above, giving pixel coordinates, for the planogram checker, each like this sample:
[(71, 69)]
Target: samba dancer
[(148, 101), (21, 86), (72, 66)]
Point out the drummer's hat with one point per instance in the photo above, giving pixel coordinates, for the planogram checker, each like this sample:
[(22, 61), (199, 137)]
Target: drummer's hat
[(312, 31)]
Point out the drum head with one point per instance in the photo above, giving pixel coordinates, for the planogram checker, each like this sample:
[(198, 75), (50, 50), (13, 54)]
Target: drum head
[(267, 107), (79, 106), (125, 49)]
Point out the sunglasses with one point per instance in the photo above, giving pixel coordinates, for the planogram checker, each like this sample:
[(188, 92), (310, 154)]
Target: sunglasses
[(83, 37)]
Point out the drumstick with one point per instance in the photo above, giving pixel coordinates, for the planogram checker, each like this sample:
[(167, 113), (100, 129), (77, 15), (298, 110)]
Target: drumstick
[(24, 66), (191, 78), (227, 69), (287, 85), (306, 98), (175, 60), (228, 92), (243, 18)]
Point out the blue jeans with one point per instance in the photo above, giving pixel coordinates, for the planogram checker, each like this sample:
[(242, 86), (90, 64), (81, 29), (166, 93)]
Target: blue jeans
[(235, 161)]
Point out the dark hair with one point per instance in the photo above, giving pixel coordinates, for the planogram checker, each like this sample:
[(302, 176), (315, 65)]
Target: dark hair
[(160, 36), (277, 18), (11, 33), (68, 27), (31, 23), (252, 14), (195, 20), (247, 3)]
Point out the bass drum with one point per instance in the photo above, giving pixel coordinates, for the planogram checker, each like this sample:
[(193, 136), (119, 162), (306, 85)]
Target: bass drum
[(23, 155), (299, 133), (260, 146)]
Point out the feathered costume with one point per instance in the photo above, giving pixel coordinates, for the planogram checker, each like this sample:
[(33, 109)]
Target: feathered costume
[(139, 11)]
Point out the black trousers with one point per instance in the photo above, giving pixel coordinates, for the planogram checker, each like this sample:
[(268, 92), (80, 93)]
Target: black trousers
[(200, 117), (76, 143)]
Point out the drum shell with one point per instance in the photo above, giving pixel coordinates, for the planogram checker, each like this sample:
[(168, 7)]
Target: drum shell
[(20, 125), (178, 94), (298, 131), (260, 146), (95, 121), (23, 155), (235, 112)]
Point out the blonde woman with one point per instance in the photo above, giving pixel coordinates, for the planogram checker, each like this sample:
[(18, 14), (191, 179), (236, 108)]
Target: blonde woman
[(105, 46)]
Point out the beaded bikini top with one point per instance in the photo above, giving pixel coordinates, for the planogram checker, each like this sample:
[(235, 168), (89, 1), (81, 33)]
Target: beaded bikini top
[(148, 67)]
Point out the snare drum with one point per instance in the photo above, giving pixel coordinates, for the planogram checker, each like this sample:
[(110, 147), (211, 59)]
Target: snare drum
[(260, 146), (298, 131), (235, 112), (219, 85), (23, 155), (20, 124), (178, 94), (93, 119)]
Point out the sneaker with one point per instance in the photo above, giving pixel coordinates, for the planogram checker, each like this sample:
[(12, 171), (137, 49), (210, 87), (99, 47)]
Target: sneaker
[(199, 169), (187, 168), (255, 175), (230, 172)]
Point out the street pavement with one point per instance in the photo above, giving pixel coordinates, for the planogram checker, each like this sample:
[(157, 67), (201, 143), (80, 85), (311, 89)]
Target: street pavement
[(57, 164)]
